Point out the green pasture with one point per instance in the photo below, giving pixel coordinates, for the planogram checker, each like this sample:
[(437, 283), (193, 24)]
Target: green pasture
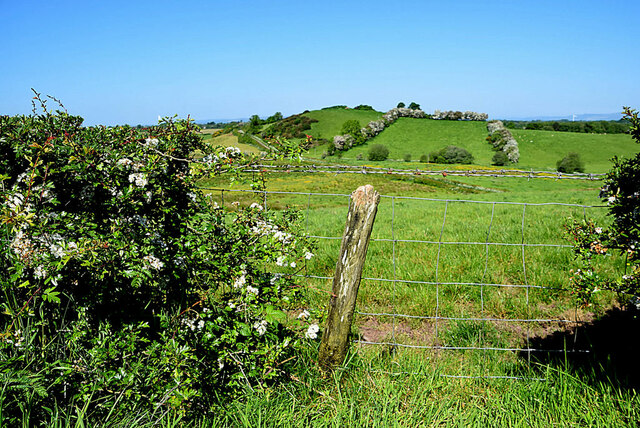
[(226, 140), (542, 149), (478, 242), (330, 120), (539, 150)]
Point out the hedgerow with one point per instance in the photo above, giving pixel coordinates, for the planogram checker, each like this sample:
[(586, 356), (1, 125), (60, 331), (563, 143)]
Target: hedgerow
[(621, 193), (124, 287)]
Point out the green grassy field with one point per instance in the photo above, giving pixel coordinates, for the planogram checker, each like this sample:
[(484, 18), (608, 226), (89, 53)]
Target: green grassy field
[(227, 140), (539, 150), (330, 120), (381, 385)]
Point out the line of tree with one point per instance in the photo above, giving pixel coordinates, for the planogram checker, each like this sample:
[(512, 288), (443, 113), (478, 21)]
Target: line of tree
[(501, 140), (459, 115), (589, 127)]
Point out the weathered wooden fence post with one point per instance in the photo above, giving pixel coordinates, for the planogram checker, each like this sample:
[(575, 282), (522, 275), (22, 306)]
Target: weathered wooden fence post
[(363, 207)]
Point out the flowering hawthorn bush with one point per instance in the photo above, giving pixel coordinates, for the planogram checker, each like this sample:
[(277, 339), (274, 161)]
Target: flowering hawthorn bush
[(621, 192), (123, 286)]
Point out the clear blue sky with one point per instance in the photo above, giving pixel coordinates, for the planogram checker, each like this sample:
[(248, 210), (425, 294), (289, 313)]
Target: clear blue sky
[(130, 61)]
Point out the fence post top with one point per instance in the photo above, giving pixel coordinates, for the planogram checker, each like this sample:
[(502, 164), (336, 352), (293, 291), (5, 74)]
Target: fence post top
[(365, 195)]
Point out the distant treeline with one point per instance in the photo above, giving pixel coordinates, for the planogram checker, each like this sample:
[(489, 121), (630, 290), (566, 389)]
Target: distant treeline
[(589, 127), (220, 125)]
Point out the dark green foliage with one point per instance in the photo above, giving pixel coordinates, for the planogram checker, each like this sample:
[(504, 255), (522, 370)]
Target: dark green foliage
[(378, 152), (593, 127), (500, 159), (291, 127), (452, 154), (401, 105), (407, 157), (424, 158), (414, 106), (570, 163), (352, 127), (364, 107), (275, 118)]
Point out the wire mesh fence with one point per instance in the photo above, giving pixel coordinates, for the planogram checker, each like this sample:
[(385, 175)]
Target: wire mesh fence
[(471, 287)]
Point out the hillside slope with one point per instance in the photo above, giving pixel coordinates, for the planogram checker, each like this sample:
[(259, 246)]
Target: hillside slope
[(330, 120)]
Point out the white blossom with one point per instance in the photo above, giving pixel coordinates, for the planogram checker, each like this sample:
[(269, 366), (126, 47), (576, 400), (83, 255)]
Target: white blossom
[(261, 327), (153, 261), (598, 230), (140, 179), (124, 162), (240, 281), (304, 314), (253, 290), (308, 255), (256, 206), (280, 260), (312, 331), (293, 264)]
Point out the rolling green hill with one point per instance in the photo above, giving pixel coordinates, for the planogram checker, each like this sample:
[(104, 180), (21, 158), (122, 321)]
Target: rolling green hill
[(330, 120)]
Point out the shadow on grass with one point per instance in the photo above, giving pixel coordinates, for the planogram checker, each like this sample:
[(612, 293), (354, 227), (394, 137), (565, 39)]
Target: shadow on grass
[(613, 342)]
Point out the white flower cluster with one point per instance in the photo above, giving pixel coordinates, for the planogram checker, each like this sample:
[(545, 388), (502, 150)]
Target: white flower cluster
[(151, 142), (226, 153), (22, 245), (458, 115), (312, 331), (343, 142), (304, 315), (263, 228), (153, 261), (139, 178), (261, 327), (16, 339), (193, 324)]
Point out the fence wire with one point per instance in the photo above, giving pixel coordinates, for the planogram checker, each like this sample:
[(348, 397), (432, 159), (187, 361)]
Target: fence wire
[(351, 169), (444, 322)]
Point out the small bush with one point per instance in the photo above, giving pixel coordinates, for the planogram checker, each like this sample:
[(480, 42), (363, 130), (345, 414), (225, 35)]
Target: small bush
[(360, 156), (500, 159), (407, 157), (452, 154), (570, 163), (378, 152), (424, 158)]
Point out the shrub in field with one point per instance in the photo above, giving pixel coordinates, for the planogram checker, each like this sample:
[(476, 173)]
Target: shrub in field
[(570, 163), (364, 107), (500, 159), (452, 154), (407, 157), (378, 152), (125, 289), (343, 142), (353, 128), (621, 192), (424, 158)]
